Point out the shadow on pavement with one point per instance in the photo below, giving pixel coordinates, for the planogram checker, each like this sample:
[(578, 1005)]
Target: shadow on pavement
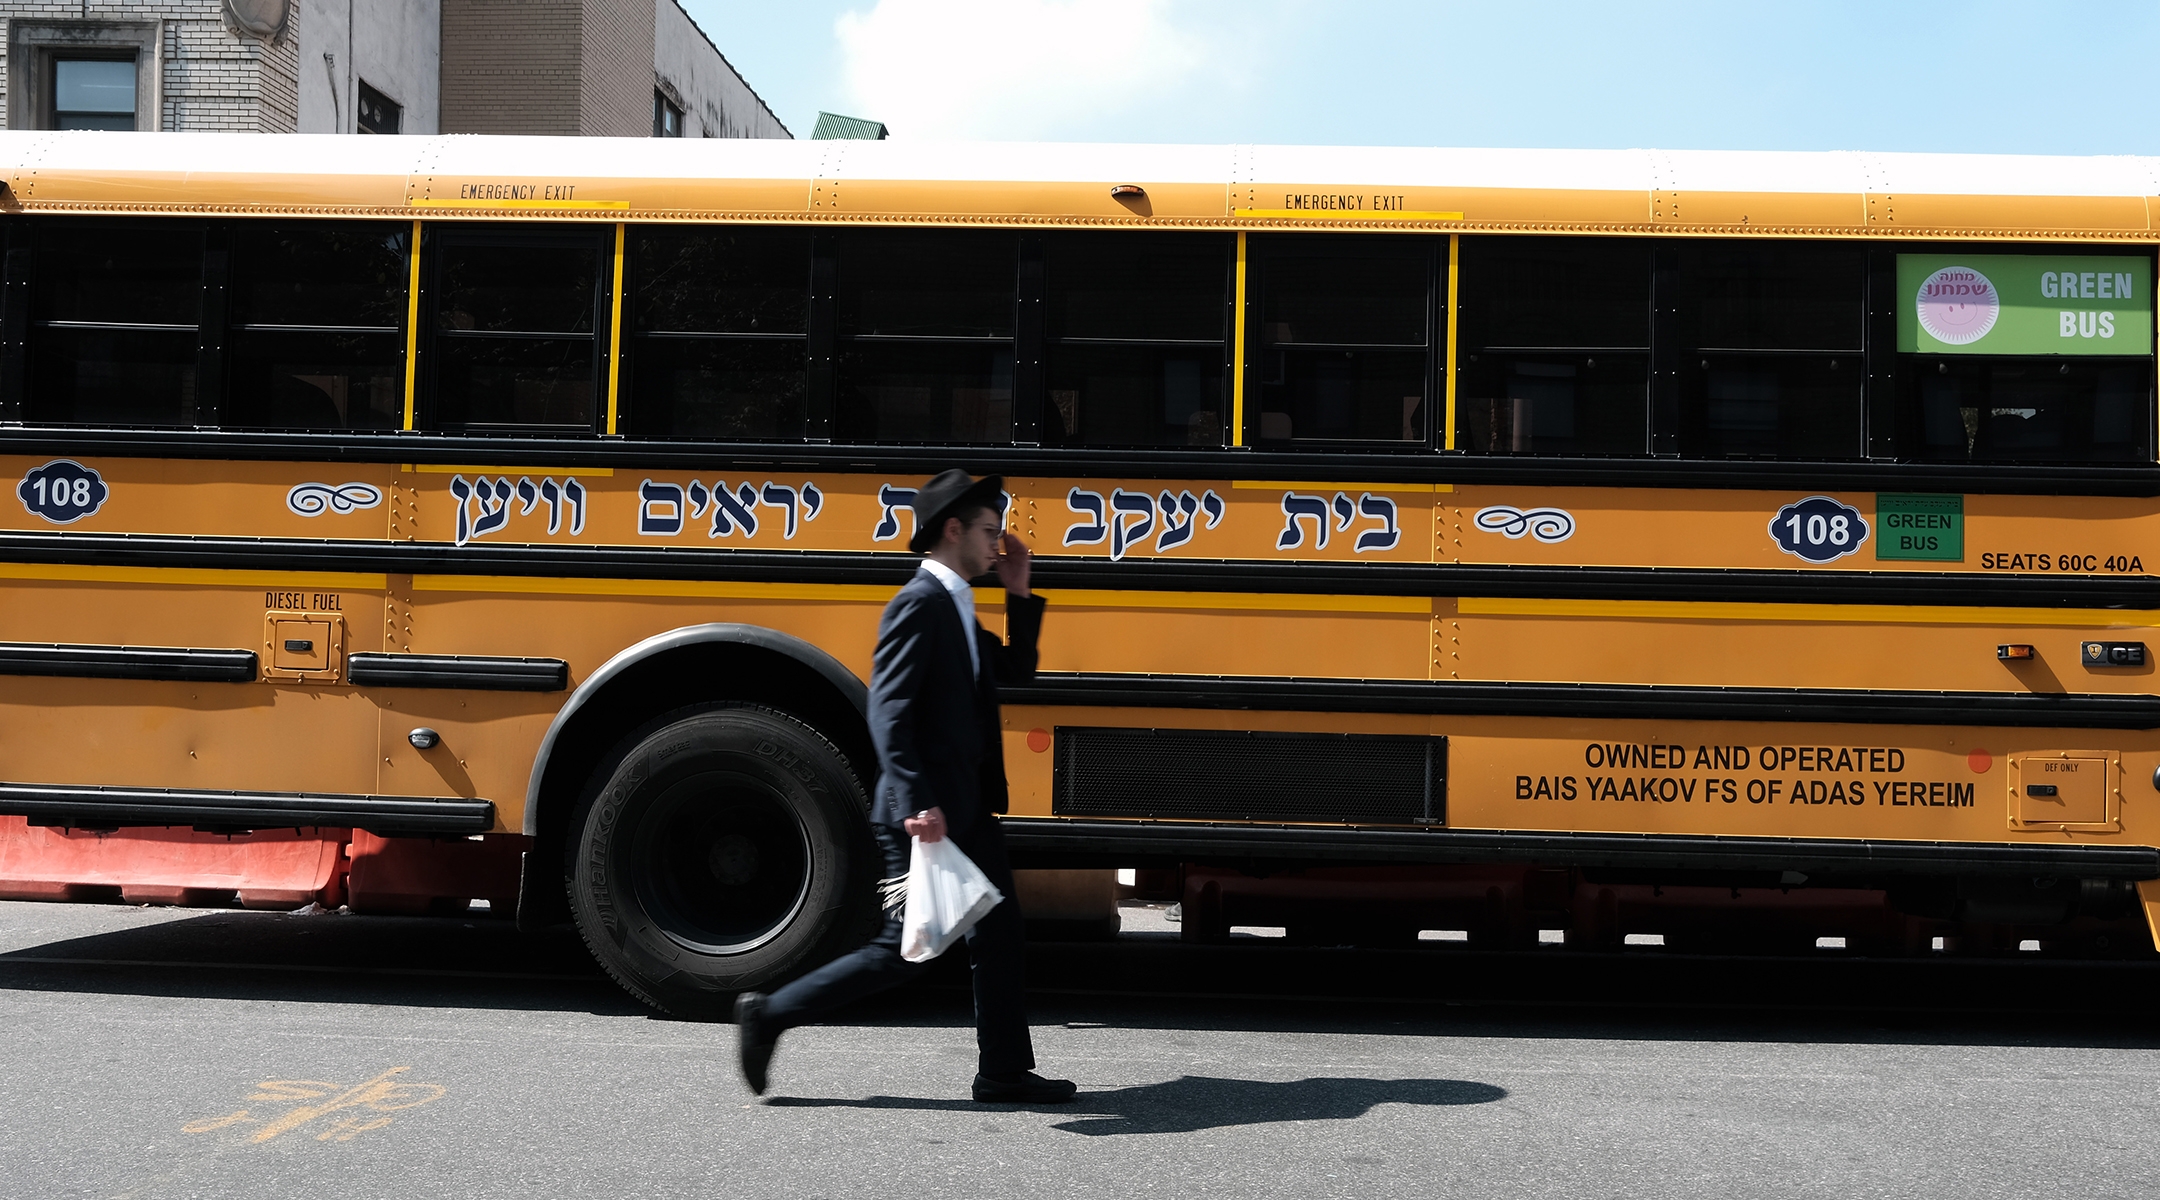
[(449, 962), (1196, 1102), (329, 958)]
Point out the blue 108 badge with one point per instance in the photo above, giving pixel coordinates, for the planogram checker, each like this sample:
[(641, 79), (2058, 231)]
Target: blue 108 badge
[(1819, 529), (62, 491)]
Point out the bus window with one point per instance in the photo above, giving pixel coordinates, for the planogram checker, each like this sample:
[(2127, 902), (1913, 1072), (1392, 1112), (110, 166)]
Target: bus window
[(925, 324), (2026, 409), (717, 322), (515, 318), (1554, 346), (1343, 331), (317, 320), (115, 313), (1768, 349), (1135, 338)]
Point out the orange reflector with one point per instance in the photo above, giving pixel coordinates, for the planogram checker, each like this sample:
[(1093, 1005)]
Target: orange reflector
[(2017, 651)]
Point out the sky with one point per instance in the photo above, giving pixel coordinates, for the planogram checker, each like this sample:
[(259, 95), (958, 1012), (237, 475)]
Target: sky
[(1986, 76)]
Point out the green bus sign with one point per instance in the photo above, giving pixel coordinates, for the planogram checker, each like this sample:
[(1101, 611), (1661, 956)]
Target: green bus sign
[(2024, 304), (1919, 527)]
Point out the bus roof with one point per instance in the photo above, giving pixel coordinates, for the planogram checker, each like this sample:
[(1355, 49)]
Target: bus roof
[(1722, 193)]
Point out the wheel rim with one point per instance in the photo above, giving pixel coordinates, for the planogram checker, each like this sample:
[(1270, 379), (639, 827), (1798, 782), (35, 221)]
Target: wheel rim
[(722, 862)]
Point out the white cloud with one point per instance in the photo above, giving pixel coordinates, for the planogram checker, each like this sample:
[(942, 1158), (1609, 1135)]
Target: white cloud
[(1024, 69)]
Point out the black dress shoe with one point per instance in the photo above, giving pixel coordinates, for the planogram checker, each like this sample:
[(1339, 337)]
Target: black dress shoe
[(753, 1042), (1024, 1088)]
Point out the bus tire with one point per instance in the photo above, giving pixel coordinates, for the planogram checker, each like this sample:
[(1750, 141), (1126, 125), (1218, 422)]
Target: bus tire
[(725, 849)]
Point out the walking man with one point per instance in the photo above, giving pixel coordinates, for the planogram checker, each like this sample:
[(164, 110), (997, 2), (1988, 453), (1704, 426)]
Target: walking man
[(941, 773)]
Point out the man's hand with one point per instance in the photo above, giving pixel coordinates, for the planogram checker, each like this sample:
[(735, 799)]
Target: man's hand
[(929, 825), (1012, 564)]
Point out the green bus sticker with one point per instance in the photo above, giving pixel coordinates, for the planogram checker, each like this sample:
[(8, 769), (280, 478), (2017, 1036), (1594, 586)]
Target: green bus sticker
[(2024, 304), (1920, 527)]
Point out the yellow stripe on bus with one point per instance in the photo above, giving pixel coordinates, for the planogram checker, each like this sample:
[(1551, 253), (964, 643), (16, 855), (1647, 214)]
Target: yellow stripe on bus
[(194, 576), (1306, 485), (1872, 614), (412, 329), (485, 469), (1261, 601), (1454, 258), (691, 588), (1329, 214), (880, 593), (614, 360), (522, 204), (1237, 350)]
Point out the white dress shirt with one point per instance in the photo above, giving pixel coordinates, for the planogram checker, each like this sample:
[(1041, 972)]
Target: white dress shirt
[(963, 599)]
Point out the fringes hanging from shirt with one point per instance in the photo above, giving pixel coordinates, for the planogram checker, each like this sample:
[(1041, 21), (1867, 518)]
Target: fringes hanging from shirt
[(892, 895)]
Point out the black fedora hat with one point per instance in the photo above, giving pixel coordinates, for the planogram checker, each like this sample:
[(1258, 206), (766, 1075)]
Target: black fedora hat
[(944, 495)]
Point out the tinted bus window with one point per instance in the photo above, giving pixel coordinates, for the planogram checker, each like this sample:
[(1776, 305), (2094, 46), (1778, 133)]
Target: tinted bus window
[(925, 349), (317, 338), (717, 325), (1344, 326), (1768, 341), (514, 324), (2026, 409), (1553, 350), (113, 322), (1136, 334)]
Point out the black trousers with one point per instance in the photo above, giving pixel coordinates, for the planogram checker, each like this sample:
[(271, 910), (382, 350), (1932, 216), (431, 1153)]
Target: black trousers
[(996, 950)]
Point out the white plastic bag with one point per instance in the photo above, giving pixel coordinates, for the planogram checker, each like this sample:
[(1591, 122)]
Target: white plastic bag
[(946, 894)]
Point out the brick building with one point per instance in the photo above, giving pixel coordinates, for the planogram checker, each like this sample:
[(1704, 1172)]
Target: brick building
[(615, 68)]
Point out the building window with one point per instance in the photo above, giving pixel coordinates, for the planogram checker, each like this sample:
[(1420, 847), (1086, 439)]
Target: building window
[(378, 113), (666, 116), (93, 93), (66, 74)]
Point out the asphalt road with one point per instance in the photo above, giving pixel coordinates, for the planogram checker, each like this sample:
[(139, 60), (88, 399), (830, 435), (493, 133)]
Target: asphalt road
[(177, 1053)]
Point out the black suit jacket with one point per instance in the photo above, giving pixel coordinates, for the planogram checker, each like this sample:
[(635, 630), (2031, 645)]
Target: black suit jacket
[(935, 724)]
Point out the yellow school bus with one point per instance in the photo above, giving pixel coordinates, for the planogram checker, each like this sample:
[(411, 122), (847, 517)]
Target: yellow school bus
[(1743, 549)]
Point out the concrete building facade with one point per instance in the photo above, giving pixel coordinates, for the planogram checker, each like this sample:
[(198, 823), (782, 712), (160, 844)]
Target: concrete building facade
[(613, 68)]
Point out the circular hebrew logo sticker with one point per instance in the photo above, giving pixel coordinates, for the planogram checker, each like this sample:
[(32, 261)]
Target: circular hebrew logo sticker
[(1958, 305)]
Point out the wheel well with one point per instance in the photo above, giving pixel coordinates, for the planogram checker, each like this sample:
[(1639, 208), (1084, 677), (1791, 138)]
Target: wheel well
[(692, 672)]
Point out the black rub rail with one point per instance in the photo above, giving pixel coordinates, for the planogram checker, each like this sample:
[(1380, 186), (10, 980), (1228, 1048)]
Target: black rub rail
[(1611, 701), (127, 662), (2124, 479), (471, 671), (116, 807), (1196, 575), (1047, 842)]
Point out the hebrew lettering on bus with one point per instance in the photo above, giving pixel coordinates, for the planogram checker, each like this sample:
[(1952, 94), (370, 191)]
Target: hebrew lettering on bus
[(1374, 517), (892, 502), (666, 509), (1126, 519), (484, 504)]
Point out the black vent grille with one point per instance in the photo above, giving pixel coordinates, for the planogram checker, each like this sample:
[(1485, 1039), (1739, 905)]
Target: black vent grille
[(1218, 775)]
